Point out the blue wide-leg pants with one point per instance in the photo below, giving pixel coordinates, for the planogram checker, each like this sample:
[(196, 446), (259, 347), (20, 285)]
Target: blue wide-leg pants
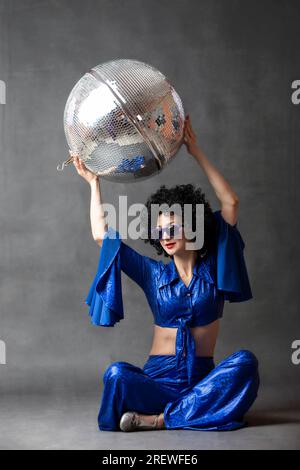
[(216, 399)]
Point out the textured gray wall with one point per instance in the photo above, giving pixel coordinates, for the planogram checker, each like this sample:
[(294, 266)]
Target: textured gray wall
[(232, 62)]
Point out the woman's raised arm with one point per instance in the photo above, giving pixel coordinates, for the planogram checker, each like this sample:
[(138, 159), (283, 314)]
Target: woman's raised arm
[(224, 192), (98, 225)]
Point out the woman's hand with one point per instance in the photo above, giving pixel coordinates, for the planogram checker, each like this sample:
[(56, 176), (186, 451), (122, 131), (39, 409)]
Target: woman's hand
[(190, 139), (82, 169)]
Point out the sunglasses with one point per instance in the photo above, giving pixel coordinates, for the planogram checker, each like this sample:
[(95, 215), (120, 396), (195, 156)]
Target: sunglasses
[(172, 231)]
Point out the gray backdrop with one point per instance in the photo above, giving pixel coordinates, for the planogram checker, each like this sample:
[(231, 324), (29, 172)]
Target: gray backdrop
[(233, 64)]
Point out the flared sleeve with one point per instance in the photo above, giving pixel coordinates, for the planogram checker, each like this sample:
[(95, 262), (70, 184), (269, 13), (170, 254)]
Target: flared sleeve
[(105, 294), (231, 270)]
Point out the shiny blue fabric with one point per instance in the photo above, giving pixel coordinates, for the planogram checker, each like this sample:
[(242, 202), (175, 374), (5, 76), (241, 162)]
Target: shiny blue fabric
[(216, 400), (220, 276)]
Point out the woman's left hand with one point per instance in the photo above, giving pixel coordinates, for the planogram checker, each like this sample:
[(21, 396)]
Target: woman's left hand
[(190, 139)]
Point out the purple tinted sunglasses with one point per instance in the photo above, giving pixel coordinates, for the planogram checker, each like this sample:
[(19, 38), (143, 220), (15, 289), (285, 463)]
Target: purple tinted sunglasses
[(172, 231)]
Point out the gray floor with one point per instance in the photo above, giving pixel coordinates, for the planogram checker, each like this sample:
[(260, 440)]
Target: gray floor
[(54, 422)]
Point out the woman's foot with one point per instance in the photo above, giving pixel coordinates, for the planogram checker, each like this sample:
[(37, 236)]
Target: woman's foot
[(131, 421)]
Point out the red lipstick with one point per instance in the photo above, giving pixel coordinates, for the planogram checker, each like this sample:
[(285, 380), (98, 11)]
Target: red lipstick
[(169, 245)]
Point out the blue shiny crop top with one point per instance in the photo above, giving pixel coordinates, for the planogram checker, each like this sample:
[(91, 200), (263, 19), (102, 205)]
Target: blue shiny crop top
[(221, 276)]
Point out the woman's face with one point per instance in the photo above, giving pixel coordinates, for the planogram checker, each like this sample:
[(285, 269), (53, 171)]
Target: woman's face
[(169, 244)]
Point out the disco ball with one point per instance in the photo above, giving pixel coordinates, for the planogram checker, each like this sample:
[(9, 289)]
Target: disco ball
[(124, 119)]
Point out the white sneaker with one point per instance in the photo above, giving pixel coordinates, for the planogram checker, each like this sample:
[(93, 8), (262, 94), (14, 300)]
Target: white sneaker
[(131, 421)]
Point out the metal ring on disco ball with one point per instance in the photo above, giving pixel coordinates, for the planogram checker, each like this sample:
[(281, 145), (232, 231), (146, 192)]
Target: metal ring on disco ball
[(124, 119)]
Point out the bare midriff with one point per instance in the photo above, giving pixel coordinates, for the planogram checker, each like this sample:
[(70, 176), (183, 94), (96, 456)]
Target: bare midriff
[(164, 339)]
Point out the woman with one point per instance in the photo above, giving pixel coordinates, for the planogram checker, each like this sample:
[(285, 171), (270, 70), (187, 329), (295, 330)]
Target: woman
[(179, 386)]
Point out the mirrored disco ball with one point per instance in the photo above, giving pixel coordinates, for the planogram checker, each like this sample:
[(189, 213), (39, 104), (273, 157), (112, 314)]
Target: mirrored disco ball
[(124, 119)]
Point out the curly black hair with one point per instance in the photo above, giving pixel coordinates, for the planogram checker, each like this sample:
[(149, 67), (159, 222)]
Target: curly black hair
[(183, 194)]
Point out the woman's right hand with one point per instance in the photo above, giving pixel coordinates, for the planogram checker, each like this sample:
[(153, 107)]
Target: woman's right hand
[(82, 169)]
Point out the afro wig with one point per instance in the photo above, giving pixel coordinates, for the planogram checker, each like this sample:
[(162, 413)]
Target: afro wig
[(182, 194)]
